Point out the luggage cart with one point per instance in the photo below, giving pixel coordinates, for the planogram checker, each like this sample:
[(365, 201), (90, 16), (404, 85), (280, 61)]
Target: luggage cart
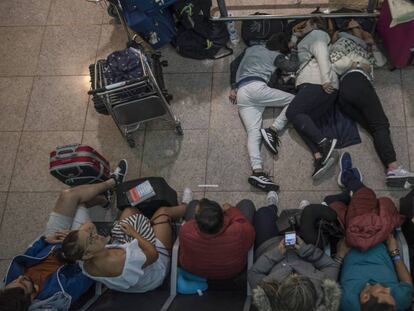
[(135, 101), (220, 12)]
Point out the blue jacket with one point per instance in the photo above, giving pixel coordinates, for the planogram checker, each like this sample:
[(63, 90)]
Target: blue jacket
[(62, 288)]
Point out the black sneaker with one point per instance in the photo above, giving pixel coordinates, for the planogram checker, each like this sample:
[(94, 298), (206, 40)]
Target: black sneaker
[(263, 182), (321, 169), (271, 139), (326, 146), (120, 172)]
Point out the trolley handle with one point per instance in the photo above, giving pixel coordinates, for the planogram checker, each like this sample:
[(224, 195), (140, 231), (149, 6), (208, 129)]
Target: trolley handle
[(116, 85)]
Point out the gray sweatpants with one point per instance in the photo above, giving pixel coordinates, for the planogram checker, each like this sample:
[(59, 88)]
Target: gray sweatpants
[(252, 99)]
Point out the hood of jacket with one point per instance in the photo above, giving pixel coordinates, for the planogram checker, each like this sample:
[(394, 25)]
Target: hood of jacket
[(330, 301)]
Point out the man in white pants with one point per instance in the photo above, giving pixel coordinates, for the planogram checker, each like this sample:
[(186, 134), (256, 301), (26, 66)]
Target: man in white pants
[(250, 74)]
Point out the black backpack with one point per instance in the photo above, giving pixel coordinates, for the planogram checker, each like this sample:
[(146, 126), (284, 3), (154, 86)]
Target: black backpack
[(256, 32), (198, 37)]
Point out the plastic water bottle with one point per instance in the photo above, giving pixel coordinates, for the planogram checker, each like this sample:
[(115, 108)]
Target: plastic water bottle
[(231, 28)]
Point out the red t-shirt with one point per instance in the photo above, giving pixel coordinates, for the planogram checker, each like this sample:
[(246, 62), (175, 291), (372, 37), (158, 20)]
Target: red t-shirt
[(40, 272), (218, 256)]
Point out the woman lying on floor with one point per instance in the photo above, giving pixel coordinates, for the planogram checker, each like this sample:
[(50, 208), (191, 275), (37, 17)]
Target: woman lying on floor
[(352, 58), (317, 86)]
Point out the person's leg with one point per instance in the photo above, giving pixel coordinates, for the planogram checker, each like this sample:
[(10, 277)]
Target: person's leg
[(69, 199), (265, 224), (360, 101), (266, 96), (311, 214), (191, 209), (247, 208), (161, 223), (252, 120), (343, 197), (308, 104)]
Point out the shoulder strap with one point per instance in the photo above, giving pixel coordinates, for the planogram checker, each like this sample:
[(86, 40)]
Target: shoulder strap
[(304, 65)]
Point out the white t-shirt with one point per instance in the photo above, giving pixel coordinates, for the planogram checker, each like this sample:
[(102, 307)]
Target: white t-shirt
[(135, 279)]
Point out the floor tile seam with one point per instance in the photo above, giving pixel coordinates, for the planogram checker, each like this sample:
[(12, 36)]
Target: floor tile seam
[(42, 75), (142, 152), (406, 122), (89, 97), (299, 190), (5, 206), (186, 73), (208, 130)]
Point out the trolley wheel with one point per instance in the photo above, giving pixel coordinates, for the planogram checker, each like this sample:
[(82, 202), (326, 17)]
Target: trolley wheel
[(113, 13), (179, 129), (131, 142)]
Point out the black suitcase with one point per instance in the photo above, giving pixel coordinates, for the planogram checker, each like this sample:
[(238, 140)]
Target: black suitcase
[(164, 195)]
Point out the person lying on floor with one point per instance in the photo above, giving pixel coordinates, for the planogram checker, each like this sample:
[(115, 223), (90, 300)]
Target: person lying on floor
[(215, 240), (137, 261), (373, 275), (250, 75), (298, 277), (41, 278), (352, 59), (317, 86)]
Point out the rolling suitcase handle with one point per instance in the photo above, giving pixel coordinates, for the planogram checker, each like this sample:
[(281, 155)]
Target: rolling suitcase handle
[(65, 151)]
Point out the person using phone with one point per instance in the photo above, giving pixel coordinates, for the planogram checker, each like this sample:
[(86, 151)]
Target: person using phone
[(289, 274)]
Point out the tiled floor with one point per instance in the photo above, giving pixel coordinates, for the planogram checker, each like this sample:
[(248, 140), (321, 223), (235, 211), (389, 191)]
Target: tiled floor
[(44, 56)]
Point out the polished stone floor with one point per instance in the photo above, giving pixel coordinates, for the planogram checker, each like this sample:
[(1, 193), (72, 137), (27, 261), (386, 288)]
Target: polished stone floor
[(46, 47)]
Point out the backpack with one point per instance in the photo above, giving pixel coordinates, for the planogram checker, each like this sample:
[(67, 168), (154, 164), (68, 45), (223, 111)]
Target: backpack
[(256, 32), (198, 37)]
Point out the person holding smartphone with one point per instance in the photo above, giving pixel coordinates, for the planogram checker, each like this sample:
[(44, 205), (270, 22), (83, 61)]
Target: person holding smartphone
[(289, 274)]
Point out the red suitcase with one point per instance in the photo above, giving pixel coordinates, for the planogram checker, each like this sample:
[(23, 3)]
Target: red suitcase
[(398, 41), (78, 164)]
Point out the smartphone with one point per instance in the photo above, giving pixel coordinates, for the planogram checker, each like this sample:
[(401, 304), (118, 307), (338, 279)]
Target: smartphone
[(290, 239)]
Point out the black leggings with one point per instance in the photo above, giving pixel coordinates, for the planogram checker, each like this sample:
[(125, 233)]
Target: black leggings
[(358, 100), (309, 104)]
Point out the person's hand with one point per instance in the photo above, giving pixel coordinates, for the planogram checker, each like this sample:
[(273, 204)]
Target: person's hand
[(391, 243), (226, 206), (328, 88), (57, 237), (299, 242), (342, 248), (128, 229), (281, 247), (233, 96)]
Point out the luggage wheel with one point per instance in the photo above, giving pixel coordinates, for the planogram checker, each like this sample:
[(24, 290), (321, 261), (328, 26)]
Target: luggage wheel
[(130, 140), (178, 128), (113, 13)]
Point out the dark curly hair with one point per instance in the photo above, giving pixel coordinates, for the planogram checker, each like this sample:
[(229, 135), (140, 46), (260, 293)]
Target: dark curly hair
[(14, 299)]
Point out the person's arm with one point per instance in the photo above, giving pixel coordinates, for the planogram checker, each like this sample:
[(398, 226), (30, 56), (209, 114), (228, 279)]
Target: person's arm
[(319, 50), (286, 64), (402, 271), (238, 219), (265, 263), (234, 65), (322, 262), (147, 247)]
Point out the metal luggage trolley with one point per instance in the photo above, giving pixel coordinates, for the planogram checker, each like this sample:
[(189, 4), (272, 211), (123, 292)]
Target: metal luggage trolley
[(135, 101)]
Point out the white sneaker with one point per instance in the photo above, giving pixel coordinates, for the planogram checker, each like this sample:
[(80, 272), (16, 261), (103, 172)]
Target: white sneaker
[(399, 178), (272, 198), (303, 204), (187, 196)]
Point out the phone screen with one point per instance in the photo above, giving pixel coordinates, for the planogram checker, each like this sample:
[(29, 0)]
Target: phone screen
[(290, 238)]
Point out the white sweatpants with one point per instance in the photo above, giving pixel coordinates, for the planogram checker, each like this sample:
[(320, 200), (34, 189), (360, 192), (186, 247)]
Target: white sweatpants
[(252, 99)]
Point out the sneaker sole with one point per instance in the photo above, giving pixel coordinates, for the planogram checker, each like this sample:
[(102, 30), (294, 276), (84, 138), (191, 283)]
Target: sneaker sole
[(331, 161), (399, 182), (126, 171), (267, 142), (330, 151), (260, 185)]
